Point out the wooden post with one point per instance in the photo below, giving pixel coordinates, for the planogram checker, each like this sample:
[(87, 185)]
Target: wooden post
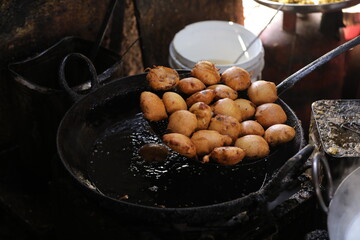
[(289, 22)]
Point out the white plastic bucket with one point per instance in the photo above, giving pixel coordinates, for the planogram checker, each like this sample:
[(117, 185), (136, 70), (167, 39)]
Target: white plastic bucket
[(220, 42)]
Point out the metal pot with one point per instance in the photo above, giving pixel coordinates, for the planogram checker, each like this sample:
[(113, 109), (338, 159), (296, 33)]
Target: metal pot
[(343, 220), (344, 210), (40, 103)]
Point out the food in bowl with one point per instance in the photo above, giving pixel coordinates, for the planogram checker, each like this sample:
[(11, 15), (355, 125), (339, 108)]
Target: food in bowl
[(307, 1)]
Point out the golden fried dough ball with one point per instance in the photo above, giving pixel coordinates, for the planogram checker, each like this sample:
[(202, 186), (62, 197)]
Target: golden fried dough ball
[(206, 96), (251, 127), (269, 114), (255, 146), (183, 122), (152, 106), (236, 78), (180, 143), (226, 106), (190, 85), (225, 125), (278, 134), (247, 108), (225, 155), (261, 92), (206, 72), (162, 78), (223, 91), (173, 102), (206, 140), (203, 114)]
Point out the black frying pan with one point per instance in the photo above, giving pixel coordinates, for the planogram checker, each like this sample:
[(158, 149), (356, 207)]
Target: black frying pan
[(98, 142)]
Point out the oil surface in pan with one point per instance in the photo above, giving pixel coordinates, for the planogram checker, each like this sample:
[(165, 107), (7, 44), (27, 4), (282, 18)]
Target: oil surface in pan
[(117, 170)]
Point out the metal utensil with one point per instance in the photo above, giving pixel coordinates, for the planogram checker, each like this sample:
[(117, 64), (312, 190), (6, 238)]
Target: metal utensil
[(309, 8), (337, 123), (259, 34), (352, 126), (104, 26)]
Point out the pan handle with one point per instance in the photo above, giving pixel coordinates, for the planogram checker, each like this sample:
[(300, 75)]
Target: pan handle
[(319, 157), (271, 190), (64, 84), (294, 78)]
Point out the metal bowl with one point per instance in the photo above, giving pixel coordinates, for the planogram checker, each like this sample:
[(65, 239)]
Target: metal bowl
[(309, 8)]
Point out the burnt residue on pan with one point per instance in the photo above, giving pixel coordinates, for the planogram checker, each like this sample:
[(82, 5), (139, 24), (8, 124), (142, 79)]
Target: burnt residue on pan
[(337, 122)]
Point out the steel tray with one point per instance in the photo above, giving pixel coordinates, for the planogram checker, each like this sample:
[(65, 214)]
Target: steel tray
[(337, 123), (309, 8)]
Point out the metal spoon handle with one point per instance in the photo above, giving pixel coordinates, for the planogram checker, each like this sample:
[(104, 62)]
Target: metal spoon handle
[(320, 158), (103, 27), (294, 78)]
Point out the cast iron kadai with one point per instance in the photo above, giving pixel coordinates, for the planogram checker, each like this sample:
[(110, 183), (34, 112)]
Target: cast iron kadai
[(38, 71), (98, 140)]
